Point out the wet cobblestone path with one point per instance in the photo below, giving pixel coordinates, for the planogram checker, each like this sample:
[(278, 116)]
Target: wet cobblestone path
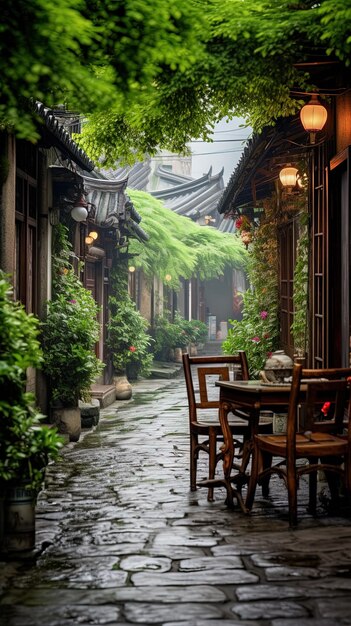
[(122, 540)]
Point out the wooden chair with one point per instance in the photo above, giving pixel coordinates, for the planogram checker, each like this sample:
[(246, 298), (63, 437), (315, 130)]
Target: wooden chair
[(321, 442), (205, 431)]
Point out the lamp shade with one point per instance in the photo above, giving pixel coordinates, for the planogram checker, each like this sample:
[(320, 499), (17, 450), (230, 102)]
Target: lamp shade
[(79, 213), (313, 116), (288, 176), (80, 210)]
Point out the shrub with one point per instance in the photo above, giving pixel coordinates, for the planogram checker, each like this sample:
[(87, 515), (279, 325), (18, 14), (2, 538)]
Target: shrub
[(69, 331), (26, 445), (128, 339)]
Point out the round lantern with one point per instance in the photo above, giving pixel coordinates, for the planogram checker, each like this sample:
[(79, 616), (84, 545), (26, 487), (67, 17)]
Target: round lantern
[(288, 176), (313, 117)]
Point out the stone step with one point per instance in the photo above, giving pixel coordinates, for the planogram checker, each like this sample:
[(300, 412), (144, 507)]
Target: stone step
[(212, 348), (106, 394), (160, 369)]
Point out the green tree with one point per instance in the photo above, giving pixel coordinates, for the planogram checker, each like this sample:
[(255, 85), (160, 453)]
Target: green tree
[(251, 63), (90, 54), (156, 74)]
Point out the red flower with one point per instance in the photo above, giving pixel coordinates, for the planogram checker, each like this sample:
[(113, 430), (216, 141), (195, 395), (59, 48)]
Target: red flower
[(256, 339), (239, 222), (263, 315), (132, 348), (325, 408)]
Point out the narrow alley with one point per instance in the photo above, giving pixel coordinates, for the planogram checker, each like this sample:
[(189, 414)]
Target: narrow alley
[(122, 540)]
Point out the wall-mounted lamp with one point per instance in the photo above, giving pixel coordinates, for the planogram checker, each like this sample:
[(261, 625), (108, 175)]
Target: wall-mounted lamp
[(131, 269), (80, 210), (93, 234), (313, 117), (209, 219), (288, 176), (89, 240)]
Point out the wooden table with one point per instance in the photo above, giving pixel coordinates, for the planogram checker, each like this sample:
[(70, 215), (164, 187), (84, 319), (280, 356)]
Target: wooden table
[(252, 397)]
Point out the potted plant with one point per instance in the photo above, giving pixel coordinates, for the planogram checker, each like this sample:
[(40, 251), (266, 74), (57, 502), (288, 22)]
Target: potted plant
[(69, 332), (196, 332), (167, 336), (128, 339), (127, 333), (26, 444)]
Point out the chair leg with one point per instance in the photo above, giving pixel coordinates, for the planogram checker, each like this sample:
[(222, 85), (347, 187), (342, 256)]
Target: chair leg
[(292, 498), (212, 444), (251, 489), (333, 480), (266, 464), (312, 493), (193, 461), (347, 467)]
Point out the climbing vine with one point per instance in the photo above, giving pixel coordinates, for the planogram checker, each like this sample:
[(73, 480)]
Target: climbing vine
[(299, 327), (258, 331)]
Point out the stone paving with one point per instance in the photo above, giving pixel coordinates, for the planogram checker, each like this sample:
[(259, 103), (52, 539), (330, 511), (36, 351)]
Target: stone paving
[(122, 540)]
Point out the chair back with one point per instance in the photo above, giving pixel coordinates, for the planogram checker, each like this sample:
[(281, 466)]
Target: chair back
[(326, 403), (200, 373)]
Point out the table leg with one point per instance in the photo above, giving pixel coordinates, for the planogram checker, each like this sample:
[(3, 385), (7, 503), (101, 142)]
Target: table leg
[(228, 459)]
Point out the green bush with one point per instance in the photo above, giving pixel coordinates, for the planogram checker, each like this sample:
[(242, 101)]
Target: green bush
[(167, 336), (258, 331), (69, 331), (128, 339), (176, 334), (26, 445)]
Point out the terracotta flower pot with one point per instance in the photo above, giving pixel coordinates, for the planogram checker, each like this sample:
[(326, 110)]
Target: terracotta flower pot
[(123, 387)]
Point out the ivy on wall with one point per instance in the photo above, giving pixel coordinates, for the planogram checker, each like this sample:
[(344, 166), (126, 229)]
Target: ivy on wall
[(258, 331), (299, 327)]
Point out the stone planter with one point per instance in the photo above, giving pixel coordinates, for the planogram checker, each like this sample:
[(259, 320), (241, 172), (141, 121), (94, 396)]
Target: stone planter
[(19, 519), (68, 421), (178, 355), (132, 371), (124, 389), (279, 422), (89, 413)]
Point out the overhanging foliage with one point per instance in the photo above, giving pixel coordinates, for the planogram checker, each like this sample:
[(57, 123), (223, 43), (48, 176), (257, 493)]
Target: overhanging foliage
[(179, 247), (158, 73)]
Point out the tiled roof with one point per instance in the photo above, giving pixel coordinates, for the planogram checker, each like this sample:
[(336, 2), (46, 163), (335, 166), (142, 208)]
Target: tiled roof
[(61, 137), (114, 208), (137, 174), (191, 197), (255, 175)]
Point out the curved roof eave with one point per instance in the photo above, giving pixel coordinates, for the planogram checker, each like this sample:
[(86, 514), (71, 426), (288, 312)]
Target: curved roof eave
[(61, 138)]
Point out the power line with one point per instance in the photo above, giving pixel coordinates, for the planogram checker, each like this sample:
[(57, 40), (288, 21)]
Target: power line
[(232, 130), (218, 140), (169, 156)]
